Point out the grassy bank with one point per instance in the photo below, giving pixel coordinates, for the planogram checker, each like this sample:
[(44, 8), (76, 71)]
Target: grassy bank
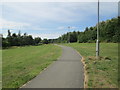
[(21, 64), (102, 73)]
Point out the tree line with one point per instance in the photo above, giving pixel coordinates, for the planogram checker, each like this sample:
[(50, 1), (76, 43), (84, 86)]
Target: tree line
[(109, 31), (14, 39)]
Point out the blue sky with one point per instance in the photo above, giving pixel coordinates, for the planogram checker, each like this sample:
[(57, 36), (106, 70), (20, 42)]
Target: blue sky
[(51, 19)]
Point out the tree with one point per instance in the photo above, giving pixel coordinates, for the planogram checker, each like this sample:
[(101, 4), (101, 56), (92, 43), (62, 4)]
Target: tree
[(5, 43), (19, 40), (73, 37), (109, 32), (86, 29), (37, 40), (29, 40), (19, 34), (91, 28), (14, 41), (9, 33), (45, 41), (9, 38)]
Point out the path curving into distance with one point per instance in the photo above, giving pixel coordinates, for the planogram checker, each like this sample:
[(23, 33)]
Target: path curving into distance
[(66, 72)]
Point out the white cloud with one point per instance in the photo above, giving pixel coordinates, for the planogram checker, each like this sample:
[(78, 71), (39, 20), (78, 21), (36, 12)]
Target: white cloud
[(46, 35), (5, 24), (108, 8), (38, 28), (41, 16), (60, 12), (4, 34), (63, 27)]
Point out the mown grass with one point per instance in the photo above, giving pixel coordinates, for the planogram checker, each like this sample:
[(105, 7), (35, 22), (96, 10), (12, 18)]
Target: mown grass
[(21, 64), (102, 73)]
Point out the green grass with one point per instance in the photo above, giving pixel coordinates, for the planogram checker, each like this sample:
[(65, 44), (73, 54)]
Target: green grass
[(21, 64), (102, 73)]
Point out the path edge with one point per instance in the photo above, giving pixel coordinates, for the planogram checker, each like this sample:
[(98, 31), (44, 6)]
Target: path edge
[(41, 71), (84, 67), (85, 71)]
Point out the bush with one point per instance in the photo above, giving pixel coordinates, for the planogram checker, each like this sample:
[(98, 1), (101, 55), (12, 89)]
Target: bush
[(5, 43)]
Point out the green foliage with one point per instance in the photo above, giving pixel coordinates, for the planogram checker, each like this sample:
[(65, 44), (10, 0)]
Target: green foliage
[(45, 41), (19, 40), (37, 40), (109, 31), (5, 43)]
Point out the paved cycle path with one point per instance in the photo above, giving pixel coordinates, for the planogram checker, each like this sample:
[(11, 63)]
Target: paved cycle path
[(66, 72)]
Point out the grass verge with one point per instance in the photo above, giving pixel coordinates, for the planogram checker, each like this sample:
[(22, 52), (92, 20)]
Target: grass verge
[(101, 73), (21, 64)]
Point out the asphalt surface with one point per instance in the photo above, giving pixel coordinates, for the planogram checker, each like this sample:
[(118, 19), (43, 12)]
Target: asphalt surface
[(66, 72)]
